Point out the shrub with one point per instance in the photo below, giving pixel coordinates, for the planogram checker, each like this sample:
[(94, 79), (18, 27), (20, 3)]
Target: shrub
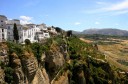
[(9, 75), (27, 42), (13, 47)]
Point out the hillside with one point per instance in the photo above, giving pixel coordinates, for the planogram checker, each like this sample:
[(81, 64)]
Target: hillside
[(113, 47), (58, 60), (108, 31)]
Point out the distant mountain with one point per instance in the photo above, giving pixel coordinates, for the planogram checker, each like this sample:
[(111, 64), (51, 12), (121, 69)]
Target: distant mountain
[(109, 31)]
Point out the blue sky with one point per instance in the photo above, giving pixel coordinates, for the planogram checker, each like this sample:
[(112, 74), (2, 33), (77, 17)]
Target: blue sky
[(69, 14)]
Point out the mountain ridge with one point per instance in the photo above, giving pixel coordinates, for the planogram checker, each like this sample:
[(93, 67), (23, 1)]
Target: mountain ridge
[(106, 31)]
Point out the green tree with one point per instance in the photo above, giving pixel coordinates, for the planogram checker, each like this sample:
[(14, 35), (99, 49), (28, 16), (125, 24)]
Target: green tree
[(59, 30), (15, 33), (69, 33), (9, 75), (27, 42)]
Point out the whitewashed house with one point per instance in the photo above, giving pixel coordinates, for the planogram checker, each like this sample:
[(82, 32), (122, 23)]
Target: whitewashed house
[(41, 35), (10, 26), (34, 33), (3, 34), (52, 30), (3, 30), (29, 32), (42, 27)]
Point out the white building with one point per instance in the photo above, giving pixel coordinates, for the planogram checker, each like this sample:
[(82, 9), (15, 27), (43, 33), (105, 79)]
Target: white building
[(29, 32), (34, 33), (42, 35), (42, 26), (52, 30), (10, 25), (3, 30)]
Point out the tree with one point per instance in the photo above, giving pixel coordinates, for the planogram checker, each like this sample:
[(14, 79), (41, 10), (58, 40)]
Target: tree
[(15, 33), (27, 42), (9, 75), (69, 33), (58, 29)]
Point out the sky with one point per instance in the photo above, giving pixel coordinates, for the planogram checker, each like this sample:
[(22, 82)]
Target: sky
[(75, 15)]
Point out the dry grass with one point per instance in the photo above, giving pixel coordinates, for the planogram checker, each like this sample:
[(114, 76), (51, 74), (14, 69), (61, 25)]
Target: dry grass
[(114, 52), (85, 40)]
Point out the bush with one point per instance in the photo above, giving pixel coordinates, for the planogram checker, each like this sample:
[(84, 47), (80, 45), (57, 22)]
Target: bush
[(27, 42), (13, 47), (9, 75)]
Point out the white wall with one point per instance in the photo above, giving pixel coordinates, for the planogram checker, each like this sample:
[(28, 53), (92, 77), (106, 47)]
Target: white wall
[(3, 34), (10, 31), (3, 20), (30, 34), (0, 34)]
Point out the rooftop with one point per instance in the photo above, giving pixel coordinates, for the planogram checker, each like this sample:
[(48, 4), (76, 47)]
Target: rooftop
[(3, 16)]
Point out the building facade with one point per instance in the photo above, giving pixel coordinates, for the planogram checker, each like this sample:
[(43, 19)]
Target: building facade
[(3, 30), (10, 25), (33, 32)]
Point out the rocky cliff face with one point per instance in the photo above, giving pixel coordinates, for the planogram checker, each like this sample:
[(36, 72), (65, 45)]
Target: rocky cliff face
[(71, 62), (2, 75), (27, 69), (41, 77), (15, 63)]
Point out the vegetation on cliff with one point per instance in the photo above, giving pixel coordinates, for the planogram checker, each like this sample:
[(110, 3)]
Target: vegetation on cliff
[(82, 62)]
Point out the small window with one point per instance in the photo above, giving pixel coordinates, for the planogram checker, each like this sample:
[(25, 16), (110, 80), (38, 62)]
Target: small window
[(2, 30), (46, 34), (8, 27), (1, 20)]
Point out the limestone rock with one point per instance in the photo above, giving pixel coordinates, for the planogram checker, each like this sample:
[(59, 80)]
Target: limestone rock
[(30, 66), (16, 65), (2, 75), (41, 77), (53, 62)]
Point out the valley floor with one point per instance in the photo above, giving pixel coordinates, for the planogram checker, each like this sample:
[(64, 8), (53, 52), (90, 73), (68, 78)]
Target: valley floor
[(115, 54)]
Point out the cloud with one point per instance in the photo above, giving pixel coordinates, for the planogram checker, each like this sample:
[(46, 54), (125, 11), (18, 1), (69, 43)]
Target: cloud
[(116, 24), (118, 6), (25, 19), (101, 3), (32, 3), (121, 12), (97, 23), (77, 23)]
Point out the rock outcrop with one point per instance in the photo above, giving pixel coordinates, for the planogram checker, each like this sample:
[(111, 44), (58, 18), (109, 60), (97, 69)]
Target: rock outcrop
[(30, 66), (2, 75), (15, 63), (41, 77), (53, 62)]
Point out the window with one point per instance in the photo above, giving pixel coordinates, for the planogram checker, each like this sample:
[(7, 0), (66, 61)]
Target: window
[(24, 33), (8, 32), (2, 35), (2, 30), (8, 27), (20, 37), (1, 20), (46, 34), (29, 36)]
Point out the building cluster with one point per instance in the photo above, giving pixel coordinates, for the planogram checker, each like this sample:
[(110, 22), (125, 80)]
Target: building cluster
[(33, 32)]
